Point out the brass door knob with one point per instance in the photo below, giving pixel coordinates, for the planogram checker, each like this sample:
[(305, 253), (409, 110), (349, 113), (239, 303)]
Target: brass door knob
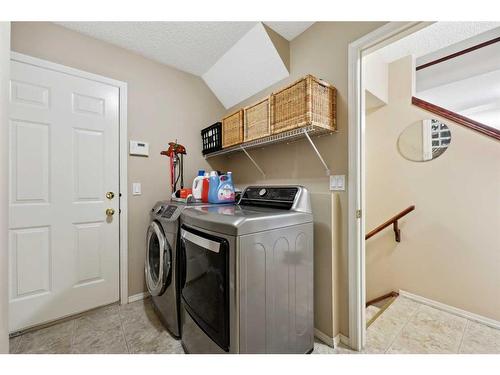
[(110, 212), (110, 195)]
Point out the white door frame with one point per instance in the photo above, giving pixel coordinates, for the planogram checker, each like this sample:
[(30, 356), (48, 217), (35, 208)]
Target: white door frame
[(4, 183), (377, 39), (123, 150)]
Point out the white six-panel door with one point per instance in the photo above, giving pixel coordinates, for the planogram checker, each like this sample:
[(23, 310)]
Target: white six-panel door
[(64, 158)]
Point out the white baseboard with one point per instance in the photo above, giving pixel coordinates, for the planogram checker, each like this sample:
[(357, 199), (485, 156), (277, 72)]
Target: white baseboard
[(331, 341), (138, 297), (344, 340), (452, 310)]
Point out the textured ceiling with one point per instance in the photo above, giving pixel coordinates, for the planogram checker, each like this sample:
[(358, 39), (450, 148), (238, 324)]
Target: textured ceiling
[(289, 30), (434, 37), (189, 46), (462, 45)]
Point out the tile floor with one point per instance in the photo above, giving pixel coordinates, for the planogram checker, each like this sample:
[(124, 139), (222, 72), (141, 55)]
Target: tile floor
[(132, 328), (408, 327), (405, 327)]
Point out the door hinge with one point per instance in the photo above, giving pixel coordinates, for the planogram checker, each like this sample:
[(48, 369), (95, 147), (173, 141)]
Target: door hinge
[(358, 214)]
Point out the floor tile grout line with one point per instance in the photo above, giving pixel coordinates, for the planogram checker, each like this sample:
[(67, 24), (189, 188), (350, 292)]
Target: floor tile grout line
[(18, 346), (73, 334), (466, 326), (402, 328), (122, 316), (123, 329)]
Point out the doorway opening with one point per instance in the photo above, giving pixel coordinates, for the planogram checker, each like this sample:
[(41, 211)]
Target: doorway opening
[(404, 256)]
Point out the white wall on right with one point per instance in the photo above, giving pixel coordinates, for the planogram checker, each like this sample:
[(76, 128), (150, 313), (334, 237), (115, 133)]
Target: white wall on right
[(450, 247), (4, 174)]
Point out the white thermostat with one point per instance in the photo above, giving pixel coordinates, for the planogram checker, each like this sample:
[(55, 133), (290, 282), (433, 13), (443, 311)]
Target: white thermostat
[(139, 148)]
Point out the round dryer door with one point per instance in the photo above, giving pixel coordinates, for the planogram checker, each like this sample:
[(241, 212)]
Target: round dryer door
[(158, 260)]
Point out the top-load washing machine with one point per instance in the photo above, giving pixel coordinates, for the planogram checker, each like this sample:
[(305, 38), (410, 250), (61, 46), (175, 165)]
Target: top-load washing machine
[(246, 274), (161, 266)]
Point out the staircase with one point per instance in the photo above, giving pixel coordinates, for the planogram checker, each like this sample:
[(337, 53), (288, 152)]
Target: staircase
[(377, 306)]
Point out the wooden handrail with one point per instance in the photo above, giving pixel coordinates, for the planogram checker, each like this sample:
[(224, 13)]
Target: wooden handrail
[(459, 53), (394, 221), (381, 298), (455, 117)]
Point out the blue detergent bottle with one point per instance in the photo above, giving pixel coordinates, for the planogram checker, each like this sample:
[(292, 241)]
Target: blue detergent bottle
[(212, 187), (221, 188)]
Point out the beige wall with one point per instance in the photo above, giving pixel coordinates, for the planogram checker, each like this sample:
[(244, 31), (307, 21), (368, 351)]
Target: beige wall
[(4, 178), (411, 142), (322, 51), (164, 104), (450, 248), (162, 101)]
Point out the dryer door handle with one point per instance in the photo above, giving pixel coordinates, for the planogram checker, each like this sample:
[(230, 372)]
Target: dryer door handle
[(201, 241)]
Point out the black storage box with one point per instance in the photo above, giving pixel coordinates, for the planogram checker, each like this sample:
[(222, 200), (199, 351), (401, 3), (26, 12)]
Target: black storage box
[(211, 138)]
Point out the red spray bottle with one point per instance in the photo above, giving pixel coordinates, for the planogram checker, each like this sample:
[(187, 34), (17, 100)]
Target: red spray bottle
[(205, 188)]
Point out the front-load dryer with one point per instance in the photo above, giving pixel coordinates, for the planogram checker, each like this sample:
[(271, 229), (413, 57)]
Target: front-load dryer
[(246, 274)]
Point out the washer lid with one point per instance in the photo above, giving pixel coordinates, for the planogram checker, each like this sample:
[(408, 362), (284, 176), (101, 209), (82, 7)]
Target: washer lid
[(237, 220)]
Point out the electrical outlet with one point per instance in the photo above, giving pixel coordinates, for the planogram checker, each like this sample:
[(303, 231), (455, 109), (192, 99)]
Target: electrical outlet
[(337, 182)]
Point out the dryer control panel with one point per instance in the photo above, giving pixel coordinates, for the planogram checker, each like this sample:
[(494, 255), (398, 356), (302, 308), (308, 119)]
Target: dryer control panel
[(285, 197), (269, 196)]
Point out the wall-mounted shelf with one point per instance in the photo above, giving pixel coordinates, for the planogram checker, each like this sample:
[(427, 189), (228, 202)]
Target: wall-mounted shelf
[(287, 136)]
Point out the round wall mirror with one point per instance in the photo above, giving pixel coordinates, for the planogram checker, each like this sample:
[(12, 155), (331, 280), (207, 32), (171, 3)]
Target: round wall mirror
[(424, 140)]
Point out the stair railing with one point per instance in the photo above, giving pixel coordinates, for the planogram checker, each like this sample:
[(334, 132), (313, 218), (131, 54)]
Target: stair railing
[(394, 221)]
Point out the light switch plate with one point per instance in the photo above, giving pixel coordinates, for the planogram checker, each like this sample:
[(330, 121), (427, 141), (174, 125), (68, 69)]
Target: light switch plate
[(337, 182), (139, 148), (136, 188)]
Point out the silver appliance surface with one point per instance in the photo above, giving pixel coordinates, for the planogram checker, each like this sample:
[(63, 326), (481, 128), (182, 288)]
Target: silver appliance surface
[(259, 209), (161, 265), (266, 243), (239, 220)]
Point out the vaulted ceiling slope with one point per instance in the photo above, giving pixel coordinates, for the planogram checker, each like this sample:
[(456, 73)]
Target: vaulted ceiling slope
[(251, 65), (193, 47)]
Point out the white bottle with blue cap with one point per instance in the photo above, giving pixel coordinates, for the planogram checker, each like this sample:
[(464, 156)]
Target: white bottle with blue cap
[(198, 184)]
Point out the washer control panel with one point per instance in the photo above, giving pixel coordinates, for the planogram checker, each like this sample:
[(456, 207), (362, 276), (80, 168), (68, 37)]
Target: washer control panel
[(165, 211), (168, 211)]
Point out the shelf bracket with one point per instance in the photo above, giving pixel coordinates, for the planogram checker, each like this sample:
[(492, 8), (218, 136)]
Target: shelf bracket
[(253, 161), (327, 170)]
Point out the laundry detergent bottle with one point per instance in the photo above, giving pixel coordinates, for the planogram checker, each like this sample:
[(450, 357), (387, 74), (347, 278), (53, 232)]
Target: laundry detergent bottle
[(225, 192), (213, 185), (198, 185), (221, 188), (205, 187)]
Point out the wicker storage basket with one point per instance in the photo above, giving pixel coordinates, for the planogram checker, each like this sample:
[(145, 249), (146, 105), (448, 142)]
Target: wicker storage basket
[(308, 101), (232, 129), (257, 120)]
